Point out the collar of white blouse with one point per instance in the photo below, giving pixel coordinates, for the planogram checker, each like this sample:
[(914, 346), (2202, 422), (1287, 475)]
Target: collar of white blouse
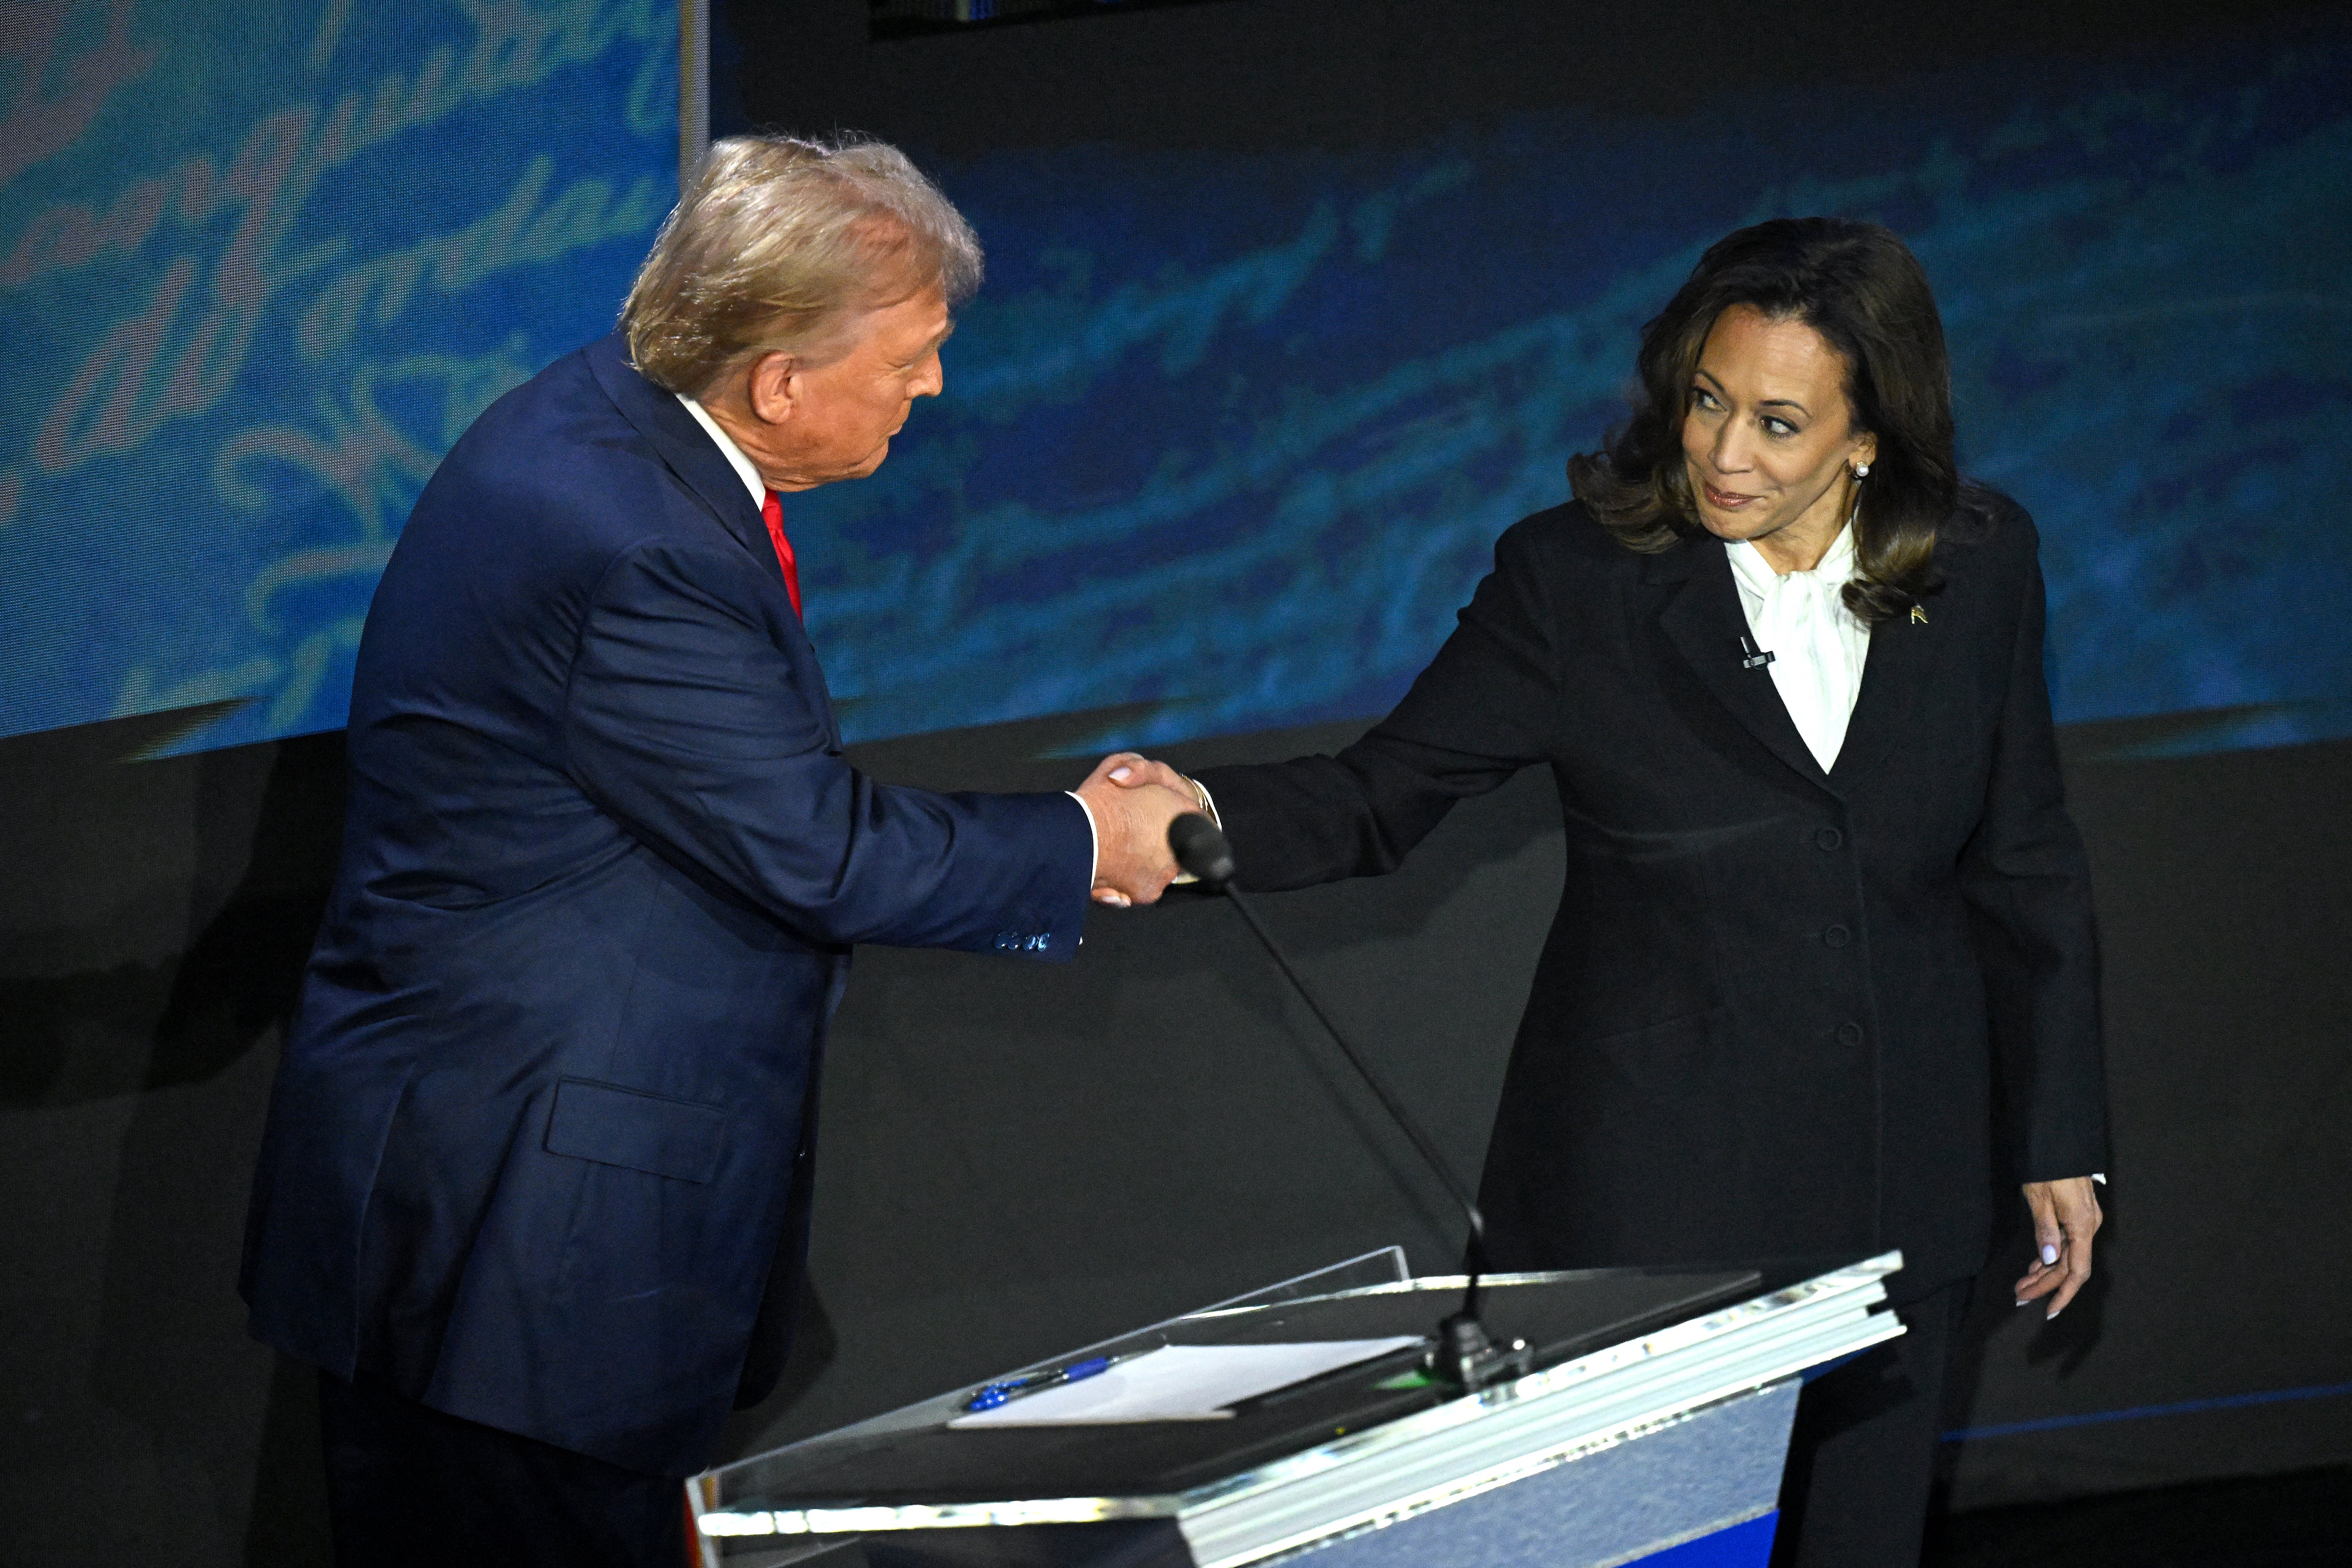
[(1818, 646)]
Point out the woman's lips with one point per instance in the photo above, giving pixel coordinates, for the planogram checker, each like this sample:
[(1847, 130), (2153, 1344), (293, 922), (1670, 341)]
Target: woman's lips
[(1729, 500)]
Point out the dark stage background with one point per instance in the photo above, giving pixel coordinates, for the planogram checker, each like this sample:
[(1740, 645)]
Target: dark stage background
[(1293, 305)]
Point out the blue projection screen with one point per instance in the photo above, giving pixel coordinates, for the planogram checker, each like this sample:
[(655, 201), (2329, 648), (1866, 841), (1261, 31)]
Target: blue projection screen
[(259, 265), (1234, 435), (1226, 439)]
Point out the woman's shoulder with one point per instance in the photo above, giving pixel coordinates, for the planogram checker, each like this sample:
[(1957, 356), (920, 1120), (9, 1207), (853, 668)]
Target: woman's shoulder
[(1988, 554), (1988, 521), (1565, 535)]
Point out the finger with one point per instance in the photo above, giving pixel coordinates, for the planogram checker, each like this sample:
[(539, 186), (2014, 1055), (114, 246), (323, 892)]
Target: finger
[(2049, 1236), (1118, 767), (1147, 886), (1144, 771), (2038, 1281), (2077, 1274), (1112, 897), (2066, 1293)]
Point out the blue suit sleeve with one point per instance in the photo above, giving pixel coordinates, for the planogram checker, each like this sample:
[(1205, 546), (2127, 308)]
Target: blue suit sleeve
[(686, 721)]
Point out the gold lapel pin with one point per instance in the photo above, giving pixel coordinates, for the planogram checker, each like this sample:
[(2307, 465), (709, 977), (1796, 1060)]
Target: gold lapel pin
[(1919, 616)]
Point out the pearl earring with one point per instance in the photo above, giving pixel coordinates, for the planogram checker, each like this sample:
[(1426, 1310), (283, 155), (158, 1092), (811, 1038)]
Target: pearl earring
[(1862, 470)]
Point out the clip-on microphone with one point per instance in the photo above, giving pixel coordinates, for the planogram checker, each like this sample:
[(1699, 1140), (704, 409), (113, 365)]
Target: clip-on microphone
[(1463, 1355)]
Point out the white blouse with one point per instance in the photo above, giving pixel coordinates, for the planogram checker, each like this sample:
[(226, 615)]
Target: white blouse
[(1818, 646)]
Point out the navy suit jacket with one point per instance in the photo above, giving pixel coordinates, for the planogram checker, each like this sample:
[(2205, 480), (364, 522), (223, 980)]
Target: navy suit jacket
[(538, 1150)]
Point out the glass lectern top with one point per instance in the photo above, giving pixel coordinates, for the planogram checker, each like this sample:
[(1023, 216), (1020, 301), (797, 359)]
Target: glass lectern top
[(911, 1457)]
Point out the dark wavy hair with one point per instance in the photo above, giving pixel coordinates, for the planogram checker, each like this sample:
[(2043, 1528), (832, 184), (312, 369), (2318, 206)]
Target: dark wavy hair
[(1863, 291)]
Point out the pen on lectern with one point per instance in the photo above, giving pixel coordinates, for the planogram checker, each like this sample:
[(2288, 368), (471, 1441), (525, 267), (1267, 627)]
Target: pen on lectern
[(996, 1393)]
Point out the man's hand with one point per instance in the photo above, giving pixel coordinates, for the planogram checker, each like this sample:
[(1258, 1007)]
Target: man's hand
[(2065, 1216), (1132, 808)]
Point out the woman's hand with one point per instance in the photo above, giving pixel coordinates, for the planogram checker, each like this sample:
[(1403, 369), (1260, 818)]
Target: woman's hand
[(2065, 1216)]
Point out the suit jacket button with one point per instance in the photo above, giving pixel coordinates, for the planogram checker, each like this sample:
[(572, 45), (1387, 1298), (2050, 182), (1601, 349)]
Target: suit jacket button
[(1837, 936), (1829, 838), (1849, 1034), (1008, 941)]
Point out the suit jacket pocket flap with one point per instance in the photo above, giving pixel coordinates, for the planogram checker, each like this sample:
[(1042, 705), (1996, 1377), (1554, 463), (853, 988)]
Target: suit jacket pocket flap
[(650, 1132)]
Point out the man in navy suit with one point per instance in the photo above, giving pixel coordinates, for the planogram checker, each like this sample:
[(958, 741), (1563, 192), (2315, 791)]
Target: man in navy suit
[(536, 1179)]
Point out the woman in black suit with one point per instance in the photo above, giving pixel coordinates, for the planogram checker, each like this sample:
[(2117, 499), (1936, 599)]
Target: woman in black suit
[(1824, 909)]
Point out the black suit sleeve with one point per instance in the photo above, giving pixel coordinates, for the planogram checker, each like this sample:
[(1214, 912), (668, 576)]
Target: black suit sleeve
[(1485, 708), (2028, 887)]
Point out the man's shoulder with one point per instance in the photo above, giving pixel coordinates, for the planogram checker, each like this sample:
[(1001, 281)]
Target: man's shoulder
[(558, 451), (553, 422)]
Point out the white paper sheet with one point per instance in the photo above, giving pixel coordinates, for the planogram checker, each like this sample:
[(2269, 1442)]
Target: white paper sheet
[(1180, 1383)]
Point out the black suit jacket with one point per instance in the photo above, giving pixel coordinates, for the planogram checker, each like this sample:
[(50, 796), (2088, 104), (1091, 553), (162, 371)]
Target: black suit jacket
[(1777, 1005)]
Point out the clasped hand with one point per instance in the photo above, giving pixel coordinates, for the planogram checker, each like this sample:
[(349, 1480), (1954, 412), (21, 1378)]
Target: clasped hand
[(1132, 800)]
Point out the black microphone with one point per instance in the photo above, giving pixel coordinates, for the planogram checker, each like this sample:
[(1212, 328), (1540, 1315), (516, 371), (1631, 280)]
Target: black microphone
[(1464, 1354)]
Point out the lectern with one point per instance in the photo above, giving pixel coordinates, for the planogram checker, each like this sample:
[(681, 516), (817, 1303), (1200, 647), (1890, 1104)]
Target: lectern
[(1651, 1429)]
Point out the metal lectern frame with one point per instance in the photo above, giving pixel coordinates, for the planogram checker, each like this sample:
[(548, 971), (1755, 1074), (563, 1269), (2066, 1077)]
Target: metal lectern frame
[(1349, 1484)]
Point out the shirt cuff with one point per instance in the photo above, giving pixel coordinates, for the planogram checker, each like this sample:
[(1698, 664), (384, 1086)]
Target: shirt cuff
[(1094, 837)]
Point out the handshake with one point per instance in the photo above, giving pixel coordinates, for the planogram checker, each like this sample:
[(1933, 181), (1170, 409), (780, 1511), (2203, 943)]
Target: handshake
[(1132, 800)]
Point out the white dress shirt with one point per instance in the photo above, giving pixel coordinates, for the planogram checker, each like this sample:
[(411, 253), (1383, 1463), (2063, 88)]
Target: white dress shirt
[(1818, 646), (745, 469)]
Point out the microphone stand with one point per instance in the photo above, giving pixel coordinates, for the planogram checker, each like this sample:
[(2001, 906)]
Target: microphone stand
[(1464, 1354)]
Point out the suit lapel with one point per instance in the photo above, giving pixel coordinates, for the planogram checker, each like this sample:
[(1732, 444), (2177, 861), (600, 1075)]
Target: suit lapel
[(1705, 622), (1902, 661), (690, 453)]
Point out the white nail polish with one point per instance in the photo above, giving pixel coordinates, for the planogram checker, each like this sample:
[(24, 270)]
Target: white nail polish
[(2049, 1255), (1121, 773)]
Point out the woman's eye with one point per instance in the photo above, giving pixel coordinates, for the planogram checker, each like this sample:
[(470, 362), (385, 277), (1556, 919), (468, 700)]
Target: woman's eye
[(1778, 427), (1702, 398)]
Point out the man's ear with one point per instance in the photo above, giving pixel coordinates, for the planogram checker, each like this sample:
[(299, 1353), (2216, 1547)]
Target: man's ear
[(773, 388)]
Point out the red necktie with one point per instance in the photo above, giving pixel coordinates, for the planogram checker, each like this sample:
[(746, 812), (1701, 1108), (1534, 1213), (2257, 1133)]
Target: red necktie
[(774, 512)]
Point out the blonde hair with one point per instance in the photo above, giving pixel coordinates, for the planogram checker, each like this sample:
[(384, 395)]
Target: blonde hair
[(778, 240)]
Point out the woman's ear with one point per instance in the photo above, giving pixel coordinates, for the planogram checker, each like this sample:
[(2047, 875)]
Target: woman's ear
[(1865, 453)]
